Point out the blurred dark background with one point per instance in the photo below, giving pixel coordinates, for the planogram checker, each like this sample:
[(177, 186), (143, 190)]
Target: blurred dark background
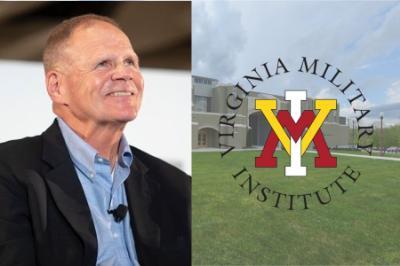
[(160, 31)]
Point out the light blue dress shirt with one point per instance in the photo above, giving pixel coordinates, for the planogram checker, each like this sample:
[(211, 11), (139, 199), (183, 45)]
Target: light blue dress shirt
[(104, 190)]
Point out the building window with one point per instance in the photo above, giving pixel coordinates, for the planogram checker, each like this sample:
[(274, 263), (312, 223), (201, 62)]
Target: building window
[(202, 81), (202, 139), (202, 104)]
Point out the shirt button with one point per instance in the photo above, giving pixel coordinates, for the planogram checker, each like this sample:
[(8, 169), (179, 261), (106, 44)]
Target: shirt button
[(115, 236), (91, 175), (100, 159)]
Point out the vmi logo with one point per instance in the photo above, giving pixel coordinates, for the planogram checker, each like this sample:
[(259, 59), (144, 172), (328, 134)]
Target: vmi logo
[(296, 130), (295, 123)]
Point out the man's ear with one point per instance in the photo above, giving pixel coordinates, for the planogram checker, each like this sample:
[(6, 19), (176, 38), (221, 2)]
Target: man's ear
[(55, 87)]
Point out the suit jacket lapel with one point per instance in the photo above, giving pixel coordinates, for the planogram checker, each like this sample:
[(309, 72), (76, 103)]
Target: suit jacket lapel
[(69, 197), (67, 191), (141, 193)]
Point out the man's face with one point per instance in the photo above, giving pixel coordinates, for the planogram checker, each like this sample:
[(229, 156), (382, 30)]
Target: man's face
[(102, 81)]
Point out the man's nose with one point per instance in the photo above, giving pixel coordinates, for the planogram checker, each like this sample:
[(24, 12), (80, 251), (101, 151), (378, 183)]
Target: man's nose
[(122, 72)]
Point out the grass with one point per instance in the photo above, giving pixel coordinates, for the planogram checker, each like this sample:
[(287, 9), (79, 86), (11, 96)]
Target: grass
[(230, 227)]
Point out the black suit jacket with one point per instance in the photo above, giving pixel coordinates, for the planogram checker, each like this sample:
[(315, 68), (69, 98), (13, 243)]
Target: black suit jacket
[(45, 218)]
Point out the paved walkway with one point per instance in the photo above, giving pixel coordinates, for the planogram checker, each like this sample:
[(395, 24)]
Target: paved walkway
[(334, 153), (364, 156)]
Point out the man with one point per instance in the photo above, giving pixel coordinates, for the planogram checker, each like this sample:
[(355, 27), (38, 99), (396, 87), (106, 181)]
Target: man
[(79, 194)]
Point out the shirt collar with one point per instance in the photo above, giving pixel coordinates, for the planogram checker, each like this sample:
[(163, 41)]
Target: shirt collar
[(84, 155), (125, 156)]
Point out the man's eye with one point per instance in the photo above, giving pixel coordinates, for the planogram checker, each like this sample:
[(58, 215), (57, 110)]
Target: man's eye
[(130, 62), (103, 64)]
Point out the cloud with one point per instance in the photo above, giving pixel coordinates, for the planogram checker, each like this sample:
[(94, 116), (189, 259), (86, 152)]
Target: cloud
[(391, 113), (393, 92), (217, 38), (360, 38), (365, 66), (325, 93), (349, 112), (390, 110), (338, 32), (380, 41)]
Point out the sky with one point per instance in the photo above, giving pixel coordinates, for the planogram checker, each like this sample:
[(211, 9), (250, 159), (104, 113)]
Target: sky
[(361, 38)]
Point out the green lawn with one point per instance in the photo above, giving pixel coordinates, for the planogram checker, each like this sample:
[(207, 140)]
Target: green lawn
[(230, 227)]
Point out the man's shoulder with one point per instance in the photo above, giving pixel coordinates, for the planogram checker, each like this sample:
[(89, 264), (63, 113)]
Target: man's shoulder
[(20, 150), (154, 163), (25, 144), (166, 173)]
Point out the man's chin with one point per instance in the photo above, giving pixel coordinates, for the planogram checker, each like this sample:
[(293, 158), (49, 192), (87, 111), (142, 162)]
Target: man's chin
[(125, 118)]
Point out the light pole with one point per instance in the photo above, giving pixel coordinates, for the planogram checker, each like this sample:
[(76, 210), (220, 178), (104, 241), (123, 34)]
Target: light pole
[(354, 134), (381, 135)]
